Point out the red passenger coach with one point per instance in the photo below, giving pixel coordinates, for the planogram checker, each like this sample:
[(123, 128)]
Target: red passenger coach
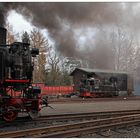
[(54, 90)]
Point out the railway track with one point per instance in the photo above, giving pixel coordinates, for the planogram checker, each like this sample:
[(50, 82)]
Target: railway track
[(50, 119), (77, 100), (76, 129)]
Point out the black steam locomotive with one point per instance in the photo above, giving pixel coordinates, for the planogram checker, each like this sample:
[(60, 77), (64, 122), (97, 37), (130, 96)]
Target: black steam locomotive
[(95, 87), (16, 91), (102, 83)]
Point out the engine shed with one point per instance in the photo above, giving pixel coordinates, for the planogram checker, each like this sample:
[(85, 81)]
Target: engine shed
[(124, 80)]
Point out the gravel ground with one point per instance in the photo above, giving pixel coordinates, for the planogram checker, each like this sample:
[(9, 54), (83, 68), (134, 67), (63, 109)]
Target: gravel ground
[(133, 132), (91, 107)]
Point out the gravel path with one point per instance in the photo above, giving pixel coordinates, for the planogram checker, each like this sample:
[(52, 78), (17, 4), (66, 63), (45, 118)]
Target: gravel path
[(133, 132), (91, 107)]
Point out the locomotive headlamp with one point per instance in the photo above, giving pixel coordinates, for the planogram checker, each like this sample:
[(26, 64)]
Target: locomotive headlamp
[(34, 52)]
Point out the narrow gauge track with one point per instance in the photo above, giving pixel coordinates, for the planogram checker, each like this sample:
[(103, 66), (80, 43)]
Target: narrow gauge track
[(65, 118), (76, 129), (77, 100)]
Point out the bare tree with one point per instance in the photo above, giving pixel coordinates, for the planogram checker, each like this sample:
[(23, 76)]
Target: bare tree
[(25, 38), (53, 75), (10, 34), (40, 42), (124, 50)]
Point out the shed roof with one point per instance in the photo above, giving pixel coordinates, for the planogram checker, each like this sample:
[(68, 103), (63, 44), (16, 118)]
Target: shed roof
[(87, 70)]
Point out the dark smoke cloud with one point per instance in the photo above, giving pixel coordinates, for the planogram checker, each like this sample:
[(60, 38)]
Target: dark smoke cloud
[(101, 55), (61, 19), (53, 15), (3, 12)]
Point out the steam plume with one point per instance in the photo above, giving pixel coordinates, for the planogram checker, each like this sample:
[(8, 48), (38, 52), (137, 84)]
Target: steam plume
[(61, 19)]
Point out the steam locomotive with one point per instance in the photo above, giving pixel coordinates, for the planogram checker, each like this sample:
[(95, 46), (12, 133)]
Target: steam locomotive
[(95, 87), (102, 83), (16, 69)]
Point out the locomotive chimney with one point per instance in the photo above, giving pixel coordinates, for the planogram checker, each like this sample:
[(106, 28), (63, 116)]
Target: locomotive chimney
[(2, 36)]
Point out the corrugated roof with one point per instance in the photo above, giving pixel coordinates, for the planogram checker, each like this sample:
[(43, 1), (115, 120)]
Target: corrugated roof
[(98, 70)]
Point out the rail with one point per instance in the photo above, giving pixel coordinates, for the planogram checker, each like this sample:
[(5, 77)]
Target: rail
[(76, 129), (68, 117), (77, 100)]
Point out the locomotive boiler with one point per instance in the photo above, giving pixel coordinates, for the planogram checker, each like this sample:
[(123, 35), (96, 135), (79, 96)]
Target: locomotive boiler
[(16, 68)]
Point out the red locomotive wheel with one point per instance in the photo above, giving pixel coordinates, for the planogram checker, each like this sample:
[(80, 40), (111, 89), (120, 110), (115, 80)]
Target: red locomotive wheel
[(11, 114)]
